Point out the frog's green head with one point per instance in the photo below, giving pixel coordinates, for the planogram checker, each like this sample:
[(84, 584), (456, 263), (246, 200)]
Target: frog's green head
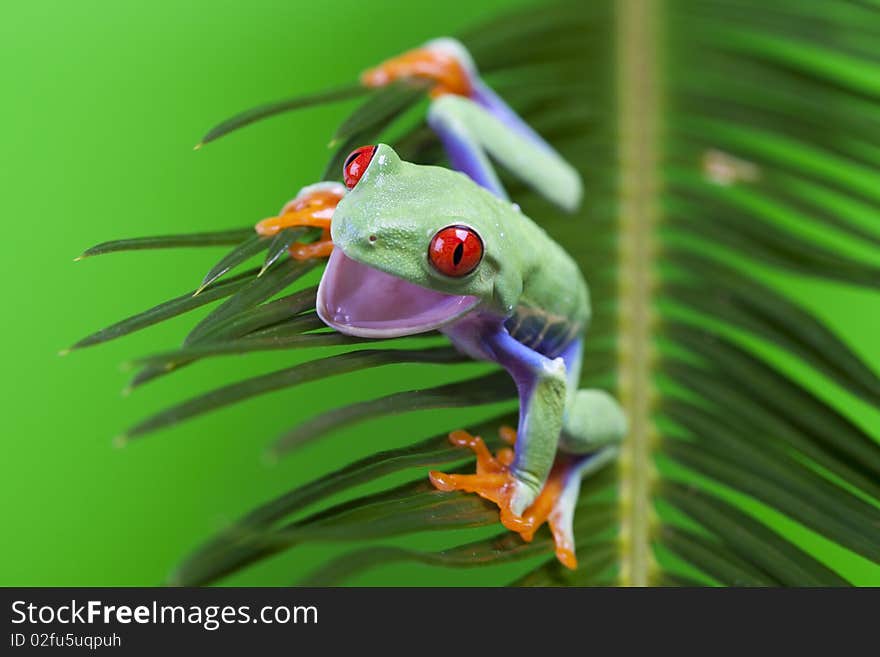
[(415, 248)]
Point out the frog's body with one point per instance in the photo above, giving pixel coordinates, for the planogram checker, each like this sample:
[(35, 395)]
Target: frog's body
[(545, 321), (506, 292), (524, 306)]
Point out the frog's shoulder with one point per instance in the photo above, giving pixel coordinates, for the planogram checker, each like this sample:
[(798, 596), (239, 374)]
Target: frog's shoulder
[(554, 307), (546, 332)]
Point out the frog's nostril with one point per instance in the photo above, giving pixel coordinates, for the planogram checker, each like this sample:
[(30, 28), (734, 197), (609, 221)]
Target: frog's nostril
[(372, 238)]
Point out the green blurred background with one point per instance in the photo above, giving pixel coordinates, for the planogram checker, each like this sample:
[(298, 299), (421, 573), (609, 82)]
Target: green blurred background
[(103, 103)]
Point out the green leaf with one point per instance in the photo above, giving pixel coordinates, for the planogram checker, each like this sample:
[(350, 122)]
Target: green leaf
[(713, 559), (166, 310), (754, 306), (776, 432), (412, 507), (247, 249), (218, 238), (744, 475), (810, 416), (500, 548), (431, 452), (259, 290), (279, 107), (256, 320), (763, 241), (750, 539), (382, 106), (280, 245), (591, 520), (483, 390), (235, 336), (594, 561), (776, 465), (296, 339), (434, 451), (288, 377)]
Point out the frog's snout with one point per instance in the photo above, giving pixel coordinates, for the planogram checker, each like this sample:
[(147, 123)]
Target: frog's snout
[(353, 241), (361, 237)]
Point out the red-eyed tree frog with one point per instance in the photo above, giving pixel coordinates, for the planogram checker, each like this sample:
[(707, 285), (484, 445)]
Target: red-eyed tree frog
[(419, 248)]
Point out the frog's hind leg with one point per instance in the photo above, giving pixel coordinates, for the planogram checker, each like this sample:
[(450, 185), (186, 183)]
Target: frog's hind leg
[(554, 505), (471, 132), (592, 426), (593, 419), (514, 480), (557, 502)]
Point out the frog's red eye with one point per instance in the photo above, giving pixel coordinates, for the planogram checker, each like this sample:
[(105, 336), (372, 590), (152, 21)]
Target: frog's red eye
[(456, 251), (356, 163)]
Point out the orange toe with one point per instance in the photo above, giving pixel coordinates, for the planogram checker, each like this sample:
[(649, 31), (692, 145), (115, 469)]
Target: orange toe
[(495, 487), (563, 543), (545, 509), (540, 510), (507, 434), (320, 249), (313, 209), (442, 69), (493, 479)]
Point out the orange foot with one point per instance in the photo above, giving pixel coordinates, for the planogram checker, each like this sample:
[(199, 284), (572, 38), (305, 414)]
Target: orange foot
[(313, 206), (494, 482), (434, 64), (547, 508)]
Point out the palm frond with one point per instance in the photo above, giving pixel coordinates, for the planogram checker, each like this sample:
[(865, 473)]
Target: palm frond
[(248, 248), (279, 107), (216, 238), (724, 145), (292, 376)]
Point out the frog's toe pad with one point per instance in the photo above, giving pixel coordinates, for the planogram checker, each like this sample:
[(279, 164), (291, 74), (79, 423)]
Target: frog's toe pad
[(312, 207), (493, 479), (320, 249), (492, 487)]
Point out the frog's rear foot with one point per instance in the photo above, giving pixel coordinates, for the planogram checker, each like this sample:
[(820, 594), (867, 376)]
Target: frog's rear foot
[(554, 505), (495, 482)]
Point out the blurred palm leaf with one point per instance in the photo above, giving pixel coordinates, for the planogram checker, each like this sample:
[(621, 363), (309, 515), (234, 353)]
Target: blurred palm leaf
[(719, 140)]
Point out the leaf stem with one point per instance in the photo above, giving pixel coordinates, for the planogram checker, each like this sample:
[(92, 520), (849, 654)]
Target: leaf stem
[(639, 107)]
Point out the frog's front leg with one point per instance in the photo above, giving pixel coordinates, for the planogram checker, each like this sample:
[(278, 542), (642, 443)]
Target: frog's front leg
[(312, 206), (513, 481)]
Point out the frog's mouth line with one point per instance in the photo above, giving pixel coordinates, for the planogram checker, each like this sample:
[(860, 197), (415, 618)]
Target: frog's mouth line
[(358, 300)]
